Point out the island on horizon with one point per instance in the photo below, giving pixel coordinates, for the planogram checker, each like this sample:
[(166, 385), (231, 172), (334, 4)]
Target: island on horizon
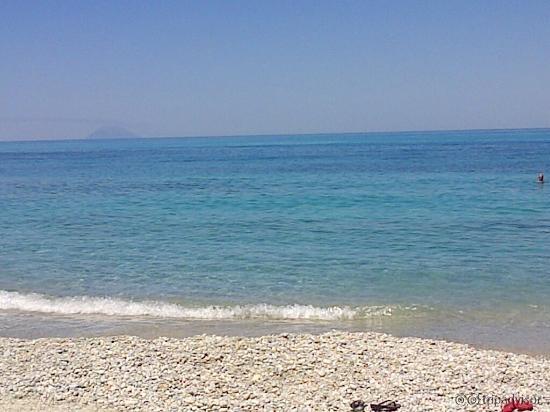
[(111, 132)]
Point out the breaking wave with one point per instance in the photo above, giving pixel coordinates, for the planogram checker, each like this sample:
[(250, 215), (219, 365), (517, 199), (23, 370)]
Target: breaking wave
[(34, 302)]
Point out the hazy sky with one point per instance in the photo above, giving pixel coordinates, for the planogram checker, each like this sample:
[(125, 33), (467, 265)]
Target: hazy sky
[(162, 68)]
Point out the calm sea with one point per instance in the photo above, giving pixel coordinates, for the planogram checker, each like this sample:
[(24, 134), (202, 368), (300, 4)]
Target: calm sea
[(439, 234)]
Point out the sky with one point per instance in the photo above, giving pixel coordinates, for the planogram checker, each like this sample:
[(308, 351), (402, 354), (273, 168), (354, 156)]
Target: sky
[(202, 68)]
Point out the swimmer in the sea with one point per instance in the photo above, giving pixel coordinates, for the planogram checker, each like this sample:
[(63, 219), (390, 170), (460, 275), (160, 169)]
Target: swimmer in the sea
[(540, 177)]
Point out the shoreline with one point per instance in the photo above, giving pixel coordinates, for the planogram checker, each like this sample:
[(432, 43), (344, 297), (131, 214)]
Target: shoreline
[(515, 337), (274, 372)]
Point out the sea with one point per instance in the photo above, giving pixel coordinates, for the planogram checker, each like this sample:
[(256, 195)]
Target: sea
[(442, 234)]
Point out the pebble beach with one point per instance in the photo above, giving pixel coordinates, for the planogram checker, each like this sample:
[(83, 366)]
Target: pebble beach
[(287, 372)]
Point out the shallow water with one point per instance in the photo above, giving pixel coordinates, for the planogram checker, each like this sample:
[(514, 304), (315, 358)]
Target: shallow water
[(443, 234)]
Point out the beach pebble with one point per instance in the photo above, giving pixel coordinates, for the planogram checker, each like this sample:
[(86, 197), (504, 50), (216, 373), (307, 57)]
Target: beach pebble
[(271, 373)]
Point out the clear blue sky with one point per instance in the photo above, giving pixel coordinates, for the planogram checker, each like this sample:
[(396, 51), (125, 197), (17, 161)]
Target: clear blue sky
[(177, 68)]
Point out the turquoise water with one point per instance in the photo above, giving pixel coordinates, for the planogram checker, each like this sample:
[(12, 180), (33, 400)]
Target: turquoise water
[(432, 227)]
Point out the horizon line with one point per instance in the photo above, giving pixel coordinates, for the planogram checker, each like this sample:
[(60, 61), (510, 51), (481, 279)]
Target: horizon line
[(88, 138)]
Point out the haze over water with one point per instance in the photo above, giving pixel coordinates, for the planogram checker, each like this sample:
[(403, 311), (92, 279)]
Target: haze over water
[(441, 234)]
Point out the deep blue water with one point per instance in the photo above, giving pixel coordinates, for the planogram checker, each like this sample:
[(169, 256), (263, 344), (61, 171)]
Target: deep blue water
[(443, 222)]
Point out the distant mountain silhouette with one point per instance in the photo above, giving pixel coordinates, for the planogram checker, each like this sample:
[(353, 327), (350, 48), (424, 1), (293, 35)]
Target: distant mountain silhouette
[(111, 132)]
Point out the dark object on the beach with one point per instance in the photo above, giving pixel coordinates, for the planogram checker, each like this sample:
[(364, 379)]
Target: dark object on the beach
[(516, 405), (385, 406), (357, 406)]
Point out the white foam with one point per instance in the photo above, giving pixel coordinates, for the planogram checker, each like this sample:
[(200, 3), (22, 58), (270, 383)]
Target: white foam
[(34, 302)]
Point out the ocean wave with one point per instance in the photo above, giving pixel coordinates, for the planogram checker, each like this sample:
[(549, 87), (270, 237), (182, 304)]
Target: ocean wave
[(34, 302)]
